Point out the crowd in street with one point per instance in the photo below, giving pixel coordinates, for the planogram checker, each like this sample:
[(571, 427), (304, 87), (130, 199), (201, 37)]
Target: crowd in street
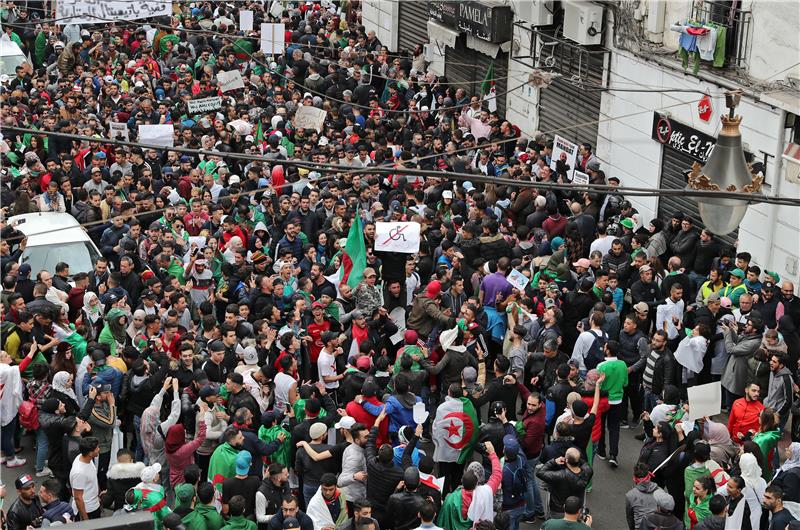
[(243, 356)]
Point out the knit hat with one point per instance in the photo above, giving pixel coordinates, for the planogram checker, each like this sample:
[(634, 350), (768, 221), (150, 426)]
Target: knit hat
[(739, 273), (318, 429), (556, 243), (580, 408)]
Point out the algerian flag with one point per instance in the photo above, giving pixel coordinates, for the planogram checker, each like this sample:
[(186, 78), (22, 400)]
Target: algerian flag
[(354, 255), (455, 430), (222, 464), (488, 89)]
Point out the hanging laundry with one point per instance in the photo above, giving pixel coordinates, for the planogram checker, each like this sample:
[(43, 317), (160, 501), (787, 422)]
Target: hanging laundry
[(707, 43), (719, 47), (688, 43)]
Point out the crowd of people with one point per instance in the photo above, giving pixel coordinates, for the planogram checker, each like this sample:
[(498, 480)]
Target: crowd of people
[(243, 356)]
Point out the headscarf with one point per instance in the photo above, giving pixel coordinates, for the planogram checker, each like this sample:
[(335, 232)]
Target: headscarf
[(117, 329), (477, 468), (132, 331), (93, 313), (794, 460), (750, 470), (176, 437), (60, 381), (716, 433)]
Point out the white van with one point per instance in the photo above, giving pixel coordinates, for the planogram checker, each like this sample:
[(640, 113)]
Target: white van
[(55, 237), (11, 56)]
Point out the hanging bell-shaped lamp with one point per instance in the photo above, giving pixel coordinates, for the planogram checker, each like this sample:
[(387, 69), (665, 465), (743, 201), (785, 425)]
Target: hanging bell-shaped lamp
[(725, 170)]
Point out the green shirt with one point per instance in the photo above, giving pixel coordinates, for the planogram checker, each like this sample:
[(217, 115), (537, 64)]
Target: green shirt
[(616, 378), (561, 524)]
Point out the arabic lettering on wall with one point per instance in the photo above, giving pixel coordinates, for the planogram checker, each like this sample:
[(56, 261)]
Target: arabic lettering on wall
[(98, 11)]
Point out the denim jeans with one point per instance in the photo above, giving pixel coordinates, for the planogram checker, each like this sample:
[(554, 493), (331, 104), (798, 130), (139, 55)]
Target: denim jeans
[(137, 433), (533, 499), (514, 517), (650, 400), (309, 490), (7, 438), (41, 449)]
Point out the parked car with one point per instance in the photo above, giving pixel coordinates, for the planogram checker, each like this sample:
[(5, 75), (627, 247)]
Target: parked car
[(55, 237)]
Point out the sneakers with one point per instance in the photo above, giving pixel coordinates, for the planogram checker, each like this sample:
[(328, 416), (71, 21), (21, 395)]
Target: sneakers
[(613, 461), (15, 462), (623, 424), (45, 472), (601, 456)]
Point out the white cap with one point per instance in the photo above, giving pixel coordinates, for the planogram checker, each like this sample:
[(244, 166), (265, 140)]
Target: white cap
[(345, 423), (447, 194), (250, 355), (234, 179)]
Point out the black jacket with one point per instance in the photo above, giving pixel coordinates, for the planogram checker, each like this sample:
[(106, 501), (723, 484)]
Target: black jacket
[(661, 521), (649, 293), (21, 515), (494, 431), (274, 497), (56, 427), (243, 399), (496, 390), (403, 508), (258, 448), (382, 479), (276, 523), (563, 483), (121, 478)]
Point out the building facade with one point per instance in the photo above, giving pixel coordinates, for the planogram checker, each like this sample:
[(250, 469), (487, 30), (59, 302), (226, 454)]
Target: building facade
[(624, 88)]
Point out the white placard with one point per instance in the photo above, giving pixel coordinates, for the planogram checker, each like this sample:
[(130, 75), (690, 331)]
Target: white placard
[(517, 280), (196, 106), (230, 80), (579, 177), (308, 117), (276, 9), (398, 316), (273, 38), (118, 131), (161, 135), (704, 400), (569, 149), (246, 20), (397, 237), (420, 414), (103, 11)]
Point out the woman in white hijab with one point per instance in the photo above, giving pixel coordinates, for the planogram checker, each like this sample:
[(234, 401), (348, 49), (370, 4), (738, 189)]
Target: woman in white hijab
[(754, 488), (136, 327), (92, 315), (788, 476)]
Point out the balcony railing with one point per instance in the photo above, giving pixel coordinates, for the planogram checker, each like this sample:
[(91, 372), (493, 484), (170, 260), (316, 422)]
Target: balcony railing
[(738, 23)]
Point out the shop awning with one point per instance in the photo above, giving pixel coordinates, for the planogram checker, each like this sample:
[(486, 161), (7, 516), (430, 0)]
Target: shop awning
[(442, 34)]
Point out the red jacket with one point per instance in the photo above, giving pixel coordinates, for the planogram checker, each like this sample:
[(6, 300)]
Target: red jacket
[(602, 408), (744, 417), (359, 413)]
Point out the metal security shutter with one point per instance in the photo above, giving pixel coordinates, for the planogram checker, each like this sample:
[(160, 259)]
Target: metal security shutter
[(412, 26), (564, 106), (468, 67), (673, 166)]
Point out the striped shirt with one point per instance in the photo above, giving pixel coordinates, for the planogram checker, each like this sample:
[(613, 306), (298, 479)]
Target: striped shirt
[(649, 368)]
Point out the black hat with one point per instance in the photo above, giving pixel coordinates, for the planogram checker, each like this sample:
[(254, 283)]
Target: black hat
[(99, 357), (328, 336), (216, 345), (209, 390), (290, 522), (25, 481)]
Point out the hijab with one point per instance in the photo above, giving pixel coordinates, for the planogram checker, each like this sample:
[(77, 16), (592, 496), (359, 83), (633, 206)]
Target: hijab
[(93, 313), (794, 460), (60, 381), (132, 329), (717, 433), (115, 326), (176, 437), (750, 470)]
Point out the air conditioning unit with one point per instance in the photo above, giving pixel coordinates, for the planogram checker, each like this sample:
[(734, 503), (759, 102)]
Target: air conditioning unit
[(583, 22), (537, 12)]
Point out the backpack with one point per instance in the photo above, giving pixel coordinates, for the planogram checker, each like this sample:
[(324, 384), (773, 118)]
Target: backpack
[(595, 354), (28, 413), (519, 483), (7, 327)]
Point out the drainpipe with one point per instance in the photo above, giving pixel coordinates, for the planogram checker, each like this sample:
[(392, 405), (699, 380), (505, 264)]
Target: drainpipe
[(772, 213)]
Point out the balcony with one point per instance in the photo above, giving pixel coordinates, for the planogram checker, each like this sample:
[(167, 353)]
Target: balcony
[(737, 22)]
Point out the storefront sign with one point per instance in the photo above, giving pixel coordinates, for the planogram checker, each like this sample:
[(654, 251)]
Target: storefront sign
[(491, 23), (682, 138)]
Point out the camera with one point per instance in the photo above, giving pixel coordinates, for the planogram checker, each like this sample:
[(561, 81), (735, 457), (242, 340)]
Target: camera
[(584, 516)]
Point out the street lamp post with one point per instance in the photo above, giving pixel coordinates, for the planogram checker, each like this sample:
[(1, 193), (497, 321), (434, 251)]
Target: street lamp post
[(725, 170)]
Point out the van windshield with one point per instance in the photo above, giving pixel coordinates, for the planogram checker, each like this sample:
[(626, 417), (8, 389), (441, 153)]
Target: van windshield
[(79, 254), (9, 63)]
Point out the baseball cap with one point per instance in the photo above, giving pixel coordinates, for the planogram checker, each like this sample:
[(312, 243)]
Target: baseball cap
[(627, 223), (24, 481), (250, 356), (208, 390), (364, 362), (641, 307), (739, 273), (290, 523), (316, 305), (583, 262), (99, 357), (447, 194), (768, 286), (345, 423), (644, 268), (714, 297), (148, 474), (318, 429)]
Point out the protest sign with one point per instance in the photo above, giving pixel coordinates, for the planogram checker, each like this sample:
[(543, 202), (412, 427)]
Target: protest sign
[(246, 20), (308, 117), (518, 280), (398, 316), (273, 38), (704, 400), (197, 106), (276, 9), (397, 237), (161, 135), (579, 177), (104, 11), (118, 131), (569, 150), (230, 80)]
